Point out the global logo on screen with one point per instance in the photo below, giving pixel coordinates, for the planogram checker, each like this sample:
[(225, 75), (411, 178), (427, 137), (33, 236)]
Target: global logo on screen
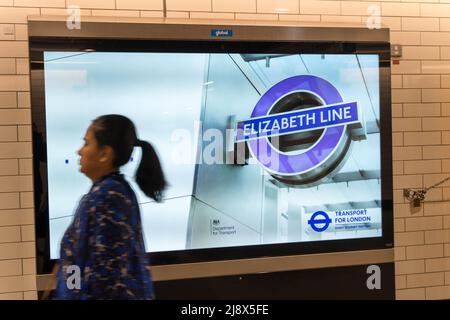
[(300, 130)]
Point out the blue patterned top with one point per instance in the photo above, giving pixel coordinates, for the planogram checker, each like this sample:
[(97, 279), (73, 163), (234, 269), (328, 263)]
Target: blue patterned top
[(105, 241)]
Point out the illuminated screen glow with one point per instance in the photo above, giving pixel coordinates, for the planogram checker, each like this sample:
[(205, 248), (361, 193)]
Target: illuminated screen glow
[(183, 103)]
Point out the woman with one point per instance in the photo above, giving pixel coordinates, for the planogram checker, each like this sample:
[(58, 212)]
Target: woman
[(105, 238)]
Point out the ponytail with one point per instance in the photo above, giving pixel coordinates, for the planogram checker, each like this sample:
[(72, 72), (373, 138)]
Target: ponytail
[(149, 175), (118, 132)]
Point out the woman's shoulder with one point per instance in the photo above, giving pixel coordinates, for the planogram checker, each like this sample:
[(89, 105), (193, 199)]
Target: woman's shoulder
[(111, 186)]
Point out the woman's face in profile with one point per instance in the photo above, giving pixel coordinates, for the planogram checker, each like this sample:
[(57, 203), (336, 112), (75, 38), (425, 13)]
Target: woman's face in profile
[(92, 158)]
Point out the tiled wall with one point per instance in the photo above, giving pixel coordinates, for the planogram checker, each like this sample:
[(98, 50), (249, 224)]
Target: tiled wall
[(421, 122)]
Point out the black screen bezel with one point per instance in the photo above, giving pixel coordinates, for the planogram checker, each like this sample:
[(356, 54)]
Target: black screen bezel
[(40, 44)]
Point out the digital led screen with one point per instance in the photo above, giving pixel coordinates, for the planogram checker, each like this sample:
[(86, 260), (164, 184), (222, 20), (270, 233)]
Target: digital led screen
[(257, 148)]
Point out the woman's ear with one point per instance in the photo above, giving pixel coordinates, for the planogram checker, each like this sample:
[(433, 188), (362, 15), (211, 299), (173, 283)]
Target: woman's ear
[(107, 154)]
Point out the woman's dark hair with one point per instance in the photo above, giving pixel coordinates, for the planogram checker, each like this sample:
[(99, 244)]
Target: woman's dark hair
[(119, 133)]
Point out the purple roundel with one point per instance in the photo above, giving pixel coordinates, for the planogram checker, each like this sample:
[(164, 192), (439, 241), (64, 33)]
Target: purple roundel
[(293, 164)]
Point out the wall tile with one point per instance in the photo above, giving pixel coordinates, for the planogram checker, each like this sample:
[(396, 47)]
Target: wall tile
[(436, 95), (16, 250), (30, 295), (341, 19), (256, 16), (406, 67), (10, 267), (425, 223), (17, 15), (40, 3), (437, 67), (408, 153), (299, 17), (425, 252), (7, 66), (406, 95), (16, 217), (14, 82), (21, 32), (397, 110), (248, 6), (409, 238), (9, 200), (320, 7), (177, 15), (421, 138), (360, 8), (420, 24), (26, 200), (64, 12), (9, 234), (437, 208), (405, 38), (397, 139), (438, 292), (420, 52), (11, 296), (16, 183), (277, 6), (421, 81), (409, 267), (435, 38), (8, 100), (25, 166), (140, 4), (437, 236), (421, 109), (116, 13), (15, 150), (422, 166), (27, 233), (23, 100), (437, 264), (8, 133), (92, 4), (434, 10), (8, 167), (410, 294), (445, 53), (191, 5), (406, 124), (400, 9), (425, 280), (212, 15), (152, 14), (15, 116), (29, 266)]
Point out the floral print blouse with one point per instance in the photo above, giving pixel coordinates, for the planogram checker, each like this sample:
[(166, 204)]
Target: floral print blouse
[(105, 242)]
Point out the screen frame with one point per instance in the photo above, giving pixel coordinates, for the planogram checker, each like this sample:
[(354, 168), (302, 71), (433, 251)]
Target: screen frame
[(39, 44)]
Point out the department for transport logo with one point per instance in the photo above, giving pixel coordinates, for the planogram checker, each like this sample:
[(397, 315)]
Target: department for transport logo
[(312, 123), (319, 221)]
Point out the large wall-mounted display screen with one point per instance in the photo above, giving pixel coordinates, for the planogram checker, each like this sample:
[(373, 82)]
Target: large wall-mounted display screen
[(259, 149)]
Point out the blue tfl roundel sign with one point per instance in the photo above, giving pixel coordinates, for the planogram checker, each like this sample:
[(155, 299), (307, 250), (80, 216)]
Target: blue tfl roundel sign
[(334, 119), (319, 221)]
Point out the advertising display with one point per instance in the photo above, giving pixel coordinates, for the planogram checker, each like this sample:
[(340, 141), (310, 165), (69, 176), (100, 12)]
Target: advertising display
[(258, 148)]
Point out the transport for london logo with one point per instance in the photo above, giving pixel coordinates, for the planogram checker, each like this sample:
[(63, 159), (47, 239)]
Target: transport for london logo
[(313, 125), (319, 221)]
